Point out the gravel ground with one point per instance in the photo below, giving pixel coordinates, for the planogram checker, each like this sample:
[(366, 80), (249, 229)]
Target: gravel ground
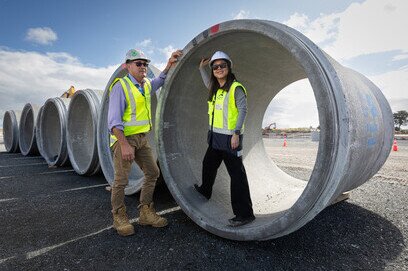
[(53, 219), (298, 159)]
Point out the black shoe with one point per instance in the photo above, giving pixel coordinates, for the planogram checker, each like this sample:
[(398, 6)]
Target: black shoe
[(239, 221), (200, 190)]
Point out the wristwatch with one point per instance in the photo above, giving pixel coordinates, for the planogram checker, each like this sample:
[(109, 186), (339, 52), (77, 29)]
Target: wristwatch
[(237, 132)]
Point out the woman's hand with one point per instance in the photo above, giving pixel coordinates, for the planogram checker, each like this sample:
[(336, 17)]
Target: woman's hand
[(234, 141), (204, 61)]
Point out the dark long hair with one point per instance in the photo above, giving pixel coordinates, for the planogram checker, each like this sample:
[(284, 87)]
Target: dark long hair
[(214, 85)]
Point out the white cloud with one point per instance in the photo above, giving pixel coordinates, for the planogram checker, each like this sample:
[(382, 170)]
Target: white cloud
[(146, 46), (34, 77), (400, 57), (392, 84), (298, 21), (242, 14), (293, 106), (373, 26), (145, 43), (41, 35), (322, 29), (166, 51), (159, 56)]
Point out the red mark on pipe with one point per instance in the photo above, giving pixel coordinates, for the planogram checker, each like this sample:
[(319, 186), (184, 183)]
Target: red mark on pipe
[(214, 29)]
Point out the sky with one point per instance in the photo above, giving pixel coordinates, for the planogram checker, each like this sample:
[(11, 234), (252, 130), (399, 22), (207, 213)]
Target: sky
[(47, 46)]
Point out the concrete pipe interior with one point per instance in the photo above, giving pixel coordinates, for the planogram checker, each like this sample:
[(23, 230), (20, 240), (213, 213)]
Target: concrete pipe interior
[(27, 140), (53, 133), (7, 130), (81, 131), (265, 60), (136, 175)]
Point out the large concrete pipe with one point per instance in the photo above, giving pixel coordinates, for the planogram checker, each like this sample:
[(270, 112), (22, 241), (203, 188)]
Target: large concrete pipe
[(355, 119), (11, 122), (83, 114), (53, 131), (104, 152), (28, 126)]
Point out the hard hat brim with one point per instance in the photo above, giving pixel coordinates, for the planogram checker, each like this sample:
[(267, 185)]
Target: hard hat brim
[(138, 58)]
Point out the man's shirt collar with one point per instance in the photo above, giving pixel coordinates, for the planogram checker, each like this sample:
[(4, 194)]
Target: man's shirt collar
[(134, 81)]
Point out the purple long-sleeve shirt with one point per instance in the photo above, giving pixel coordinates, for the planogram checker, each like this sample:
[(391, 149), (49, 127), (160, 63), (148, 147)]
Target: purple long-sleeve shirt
[(117, 100)]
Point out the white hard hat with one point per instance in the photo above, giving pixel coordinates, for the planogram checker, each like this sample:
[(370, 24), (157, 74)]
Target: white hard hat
[(220, 55), (134, 54)]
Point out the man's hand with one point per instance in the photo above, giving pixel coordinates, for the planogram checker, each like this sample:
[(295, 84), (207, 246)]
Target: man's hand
[(204, 61), (128, 152), (172, 60), (234, 141)]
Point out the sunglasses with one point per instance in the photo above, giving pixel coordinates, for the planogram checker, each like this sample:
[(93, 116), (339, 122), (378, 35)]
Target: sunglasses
[(221, 66), (139, 64)]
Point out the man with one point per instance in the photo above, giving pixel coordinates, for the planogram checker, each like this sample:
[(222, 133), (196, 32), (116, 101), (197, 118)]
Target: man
[(129, 119)]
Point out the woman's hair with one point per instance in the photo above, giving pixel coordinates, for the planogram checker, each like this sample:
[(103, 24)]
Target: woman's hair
[(214, 85)]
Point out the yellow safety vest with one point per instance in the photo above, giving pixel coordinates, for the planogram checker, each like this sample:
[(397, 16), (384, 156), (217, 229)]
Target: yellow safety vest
[(225, 110), (137, 115)]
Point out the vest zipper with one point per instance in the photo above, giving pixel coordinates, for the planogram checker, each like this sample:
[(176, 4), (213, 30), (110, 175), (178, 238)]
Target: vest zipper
[(212, 122)]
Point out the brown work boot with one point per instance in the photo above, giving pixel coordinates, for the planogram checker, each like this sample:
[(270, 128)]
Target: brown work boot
[(121, 223), (148, 216)]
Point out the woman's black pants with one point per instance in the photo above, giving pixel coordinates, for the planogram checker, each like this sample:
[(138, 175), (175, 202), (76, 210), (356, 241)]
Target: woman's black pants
[(240, 197)]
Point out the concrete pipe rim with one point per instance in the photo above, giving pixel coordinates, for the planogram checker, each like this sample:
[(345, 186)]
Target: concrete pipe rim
[(92, 166), (62, 157), (11, 140), (27, 143), (38, 132), (300, 48)]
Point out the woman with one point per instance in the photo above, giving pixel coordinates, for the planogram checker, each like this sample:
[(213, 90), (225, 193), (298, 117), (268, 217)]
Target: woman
[(227, 109)]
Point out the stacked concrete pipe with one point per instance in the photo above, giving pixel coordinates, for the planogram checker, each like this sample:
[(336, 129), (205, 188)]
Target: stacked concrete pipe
[(11, 121), (355, 119), (53, 142), (28, 126), (83, 114), (105, 156)]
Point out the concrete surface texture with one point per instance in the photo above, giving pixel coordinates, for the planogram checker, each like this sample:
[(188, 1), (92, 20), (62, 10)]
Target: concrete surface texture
[(27, 130), (53, 139), (37, 132), (355, 119), (11, 121), (82, 122), (54, 219), (103, 136)]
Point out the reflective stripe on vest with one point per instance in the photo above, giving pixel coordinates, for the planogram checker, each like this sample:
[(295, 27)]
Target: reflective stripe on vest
[(225, 110), (137, 115)]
